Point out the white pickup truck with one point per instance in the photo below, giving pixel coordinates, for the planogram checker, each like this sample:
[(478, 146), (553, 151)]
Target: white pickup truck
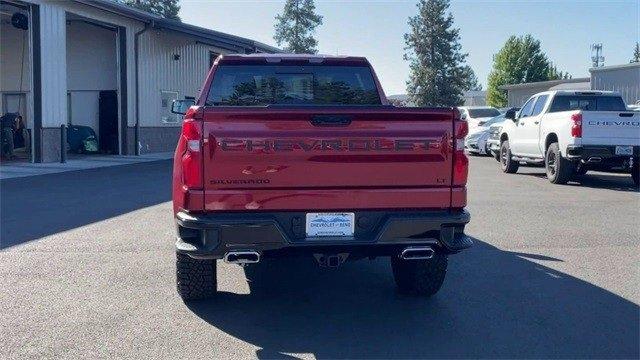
[(572, 132)]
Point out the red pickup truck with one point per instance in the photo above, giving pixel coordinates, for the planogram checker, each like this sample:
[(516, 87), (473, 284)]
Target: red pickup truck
[(287, 155)]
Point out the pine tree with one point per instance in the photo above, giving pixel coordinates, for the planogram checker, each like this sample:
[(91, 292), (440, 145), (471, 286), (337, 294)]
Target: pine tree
[(554, 74), (471, 80), (438, 74), (296, 25), (636, 54), (166, 8), (521, 60)]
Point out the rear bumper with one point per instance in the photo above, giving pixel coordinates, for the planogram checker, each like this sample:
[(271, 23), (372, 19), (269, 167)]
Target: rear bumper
[(601, 156), (377, 233)]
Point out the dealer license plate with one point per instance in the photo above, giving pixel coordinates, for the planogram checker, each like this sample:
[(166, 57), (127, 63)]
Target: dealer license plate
[(330, 224), (624, 150)]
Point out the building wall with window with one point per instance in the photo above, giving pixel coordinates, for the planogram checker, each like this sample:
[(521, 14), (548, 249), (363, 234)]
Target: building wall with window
[(172, 66)]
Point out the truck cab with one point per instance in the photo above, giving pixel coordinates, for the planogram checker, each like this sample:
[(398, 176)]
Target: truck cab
[(572, 132)]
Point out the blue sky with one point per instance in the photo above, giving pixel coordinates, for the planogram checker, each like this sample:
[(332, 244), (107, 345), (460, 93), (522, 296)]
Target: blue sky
[(375, 29)]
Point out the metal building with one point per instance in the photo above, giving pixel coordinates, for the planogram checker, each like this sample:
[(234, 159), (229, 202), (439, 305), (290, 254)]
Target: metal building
[(105, 65), (518, 94), (624, 79)]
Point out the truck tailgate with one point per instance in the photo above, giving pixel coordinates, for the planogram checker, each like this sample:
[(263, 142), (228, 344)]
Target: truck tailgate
[(610, 128), (270, 158)]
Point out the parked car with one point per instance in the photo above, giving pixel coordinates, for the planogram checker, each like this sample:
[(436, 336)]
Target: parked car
[(572, 132), (328, 170), (477, 115), (477, 143), (493, 142)]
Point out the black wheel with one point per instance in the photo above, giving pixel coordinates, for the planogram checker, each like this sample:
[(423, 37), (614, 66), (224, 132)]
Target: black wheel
[(635, 174), (419, 277), (506, 163), (559, 169), (196, 279)]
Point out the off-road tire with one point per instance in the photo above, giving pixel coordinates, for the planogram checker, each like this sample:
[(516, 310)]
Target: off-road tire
[(419, 277), (635, 174), (559, 170), (506, 162), (195, 278)]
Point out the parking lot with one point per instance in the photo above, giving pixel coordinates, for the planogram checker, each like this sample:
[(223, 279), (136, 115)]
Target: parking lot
[(87, 270)]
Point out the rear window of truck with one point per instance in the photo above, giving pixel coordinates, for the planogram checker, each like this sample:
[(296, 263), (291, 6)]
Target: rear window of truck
[(261, 85), (587, 103), (482, 113)]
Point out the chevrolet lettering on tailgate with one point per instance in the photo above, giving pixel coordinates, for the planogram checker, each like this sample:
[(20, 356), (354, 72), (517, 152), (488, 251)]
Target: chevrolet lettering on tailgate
[(327, 145)]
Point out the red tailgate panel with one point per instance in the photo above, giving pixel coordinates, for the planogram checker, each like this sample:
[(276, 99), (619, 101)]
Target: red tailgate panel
[(276, 159)]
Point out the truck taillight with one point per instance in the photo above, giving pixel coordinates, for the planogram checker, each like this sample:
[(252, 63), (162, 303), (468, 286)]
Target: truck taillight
[(460, 160), (192, 157), (576, 128)]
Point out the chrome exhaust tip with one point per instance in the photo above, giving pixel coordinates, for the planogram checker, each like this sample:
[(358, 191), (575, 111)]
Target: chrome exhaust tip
[(242, 257), (417, 253)]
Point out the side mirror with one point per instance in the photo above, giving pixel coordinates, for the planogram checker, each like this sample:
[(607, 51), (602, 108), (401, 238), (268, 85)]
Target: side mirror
[(180, 107), (510, 114)]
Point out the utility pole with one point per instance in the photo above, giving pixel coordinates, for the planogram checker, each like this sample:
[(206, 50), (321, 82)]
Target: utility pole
[(597, 60)]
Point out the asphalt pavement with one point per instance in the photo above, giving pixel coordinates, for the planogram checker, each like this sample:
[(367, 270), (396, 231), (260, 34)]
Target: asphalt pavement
[(87, 270)]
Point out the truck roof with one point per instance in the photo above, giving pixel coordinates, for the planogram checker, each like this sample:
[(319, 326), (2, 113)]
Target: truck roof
[(579, 92), (297, 58), (476, 107)]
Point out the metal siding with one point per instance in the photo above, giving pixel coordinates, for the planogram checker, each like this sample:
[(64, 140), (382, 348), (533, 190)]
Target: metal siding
[(54, 64), (517, 97), (626, 81), (159, 71)]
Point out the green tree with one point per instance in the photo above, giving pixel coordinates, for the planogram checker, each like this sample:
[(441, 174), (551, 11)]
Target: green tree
[(636, 54), (438, 73), (521, 60), (471, 79), (166, 8), (554, 74), (296, 25)]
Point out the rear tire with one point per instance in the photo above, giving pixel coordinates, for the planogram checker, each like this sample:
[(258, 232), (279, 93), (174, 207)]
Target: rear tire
[(559, 170), (195, 278), (419, 277), (506, 162)]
